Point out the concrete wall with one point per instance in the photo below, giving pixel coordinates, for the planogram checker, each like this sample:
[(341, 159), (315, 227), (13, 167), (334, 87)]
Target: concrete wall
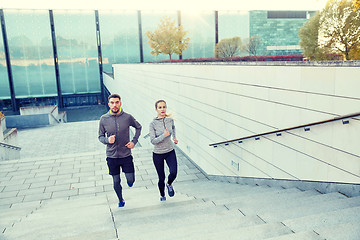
[(8, 142), (7, 153), (36, 116), (213, 103), (52, 110), (2, 128), (27, 121)]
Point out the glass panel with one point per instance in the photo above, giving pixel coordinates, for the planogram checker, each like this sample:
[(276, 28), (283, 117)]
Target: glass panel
[(77, 51), (278, 36), (233, 24), (150, 21), (31, 54), (119, 38), (201, 27), (4, 80)]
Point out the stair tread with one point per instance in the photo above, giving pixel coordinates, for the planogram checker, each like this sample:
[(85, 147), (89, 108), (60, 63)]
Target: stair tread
[(311, 209), (327, 219), (190, 230), (185, 220), (248, 208), (259, 231), (346, 231), (309, 235)]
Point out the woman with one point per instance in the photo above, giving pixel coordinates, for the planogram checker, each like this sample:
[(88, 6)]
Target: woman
[(162, 128)]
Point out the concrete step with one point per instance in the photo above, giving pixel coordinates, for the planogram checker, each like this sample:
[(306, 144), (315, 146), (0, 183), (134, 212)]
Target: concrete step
[(259, 231), (65, 218), (168, 212), (310, 209), (277, 197), (309, 235), (248, 207), (215, 189), (209, 224), (346, 231), (15, 213), (255, 194), (327, 219), (232, 190)]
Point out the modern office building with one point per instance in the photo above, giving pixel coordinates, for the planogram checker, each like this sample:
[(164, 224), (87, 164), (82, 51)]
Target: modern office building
[(59, 56)]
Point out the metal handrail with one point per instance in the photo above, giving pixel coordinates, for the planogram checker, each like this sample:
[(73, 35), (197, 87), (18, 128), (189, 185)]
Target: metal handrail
[(10, 146), (306, 126)]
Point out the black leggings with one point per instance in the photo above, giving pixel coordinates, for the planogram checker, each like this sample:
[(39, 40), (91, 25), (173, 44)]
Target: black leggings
[(130, 178), (171, 161)]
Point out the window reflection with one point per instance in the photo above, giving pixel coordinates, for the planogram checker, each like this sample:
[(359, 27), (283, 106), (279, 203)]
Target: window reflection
[(4, 80), (201, 27), (31, 55), (77, 51), (119, 38), (234, 24), (150, 21)]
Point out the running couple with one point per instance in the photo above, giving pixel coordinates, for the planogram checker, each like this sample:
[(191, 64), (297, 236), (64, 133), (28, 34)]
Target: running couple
[(114, 129)]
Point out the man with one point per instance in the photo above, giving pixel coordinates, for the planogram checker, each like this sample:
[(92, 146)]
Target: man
[(114, 133)]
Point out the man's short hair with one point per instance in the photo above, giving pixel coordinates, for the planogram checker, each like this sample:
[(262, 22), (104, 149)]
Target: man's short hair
[(114, 96)]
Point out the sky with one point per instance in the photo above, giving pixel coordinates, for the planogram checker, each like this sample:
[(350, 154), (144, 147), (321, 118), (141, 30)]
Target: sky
[(190, 5)]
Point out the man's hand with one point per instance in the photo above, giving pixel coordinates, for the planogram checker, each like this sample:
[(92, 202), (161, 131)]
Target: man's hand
[(112, 139), (130, 145)]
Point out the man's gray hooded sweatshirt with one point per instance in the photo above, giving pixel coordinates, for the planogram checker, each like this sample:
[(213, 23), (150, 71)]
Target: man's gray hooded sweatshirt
[(118, 125), (161, 143)]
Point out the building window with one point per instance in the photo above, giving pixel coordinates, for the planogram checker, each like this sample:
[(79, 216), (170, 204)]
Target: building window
[(286, 14)]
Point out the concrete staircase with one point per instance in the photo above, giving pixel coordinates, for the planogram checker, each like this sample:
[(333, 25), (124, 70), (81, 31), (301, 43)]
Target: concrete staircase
[(70, 197), (201, 209)]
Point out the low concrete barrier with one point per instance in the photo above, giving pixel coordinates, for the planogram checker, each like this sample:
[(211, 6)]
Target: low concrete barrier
[(27, 121), (36, 117), (8, 152)]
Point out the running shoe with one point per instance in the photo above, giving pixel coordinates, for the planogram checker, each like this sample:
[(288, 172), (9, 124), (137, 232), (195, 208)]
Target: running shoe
[(171, 191)]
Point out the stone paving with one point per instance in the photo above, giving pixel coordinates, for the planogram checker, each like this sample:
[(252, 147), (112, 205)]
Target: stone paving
[(67, 161), (76, 137), (60, 192)]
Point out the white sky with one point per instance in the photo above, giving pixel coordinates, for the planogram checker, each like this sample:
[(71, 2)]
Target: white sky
[(166, 4)]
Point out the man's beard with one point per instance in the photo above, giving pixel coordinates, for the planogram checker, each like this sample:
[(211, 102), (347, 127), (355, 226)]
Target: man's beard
[(115, 110)]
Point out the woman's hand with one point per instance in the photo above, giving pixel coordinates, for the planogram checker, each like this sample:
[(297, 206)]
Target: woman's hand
[(166, 133), (130, 145), (175, 141)]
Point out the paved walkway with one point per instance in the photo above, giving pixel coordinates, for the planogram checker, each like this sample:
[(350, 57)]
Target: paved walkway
[(67, 161), (69, 196), (65, 138)]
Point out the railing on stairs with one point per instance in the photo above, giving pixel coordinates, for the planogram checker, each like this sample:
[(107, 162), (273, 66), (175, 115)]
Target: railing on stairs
[(5, 145), (345, 120)]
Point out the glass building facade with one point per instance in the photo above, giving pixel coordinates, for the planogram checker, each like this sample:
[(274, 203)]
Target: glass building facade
[(59, 56), (77, 51), (4, 83), (234, 24), (31, 54), (119, 38), (277, 31), (201, 31)]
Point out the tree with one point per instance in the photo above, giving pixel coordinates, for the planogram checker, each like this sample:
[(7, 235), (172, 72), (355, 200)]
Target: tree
[(168, 38), (334, 30), (252, 45), (228, 47), (356, 3), (340, 27), (355, 53), (309, 37)]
